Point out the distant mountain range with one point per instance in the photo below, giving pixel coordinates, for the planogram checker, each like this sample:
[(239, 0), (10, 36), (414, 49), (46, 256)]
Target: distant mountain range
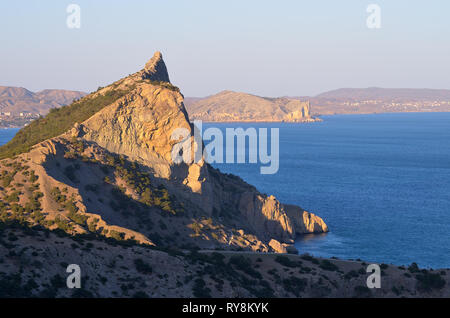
[(399, 94), (237, 106), (246, 107), (17, 99)]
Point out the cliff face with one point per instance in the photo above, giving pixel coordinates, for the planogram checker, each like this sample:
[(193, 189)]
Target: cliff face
[(140, 126), (229, 106), (113, 175), (155, 69)]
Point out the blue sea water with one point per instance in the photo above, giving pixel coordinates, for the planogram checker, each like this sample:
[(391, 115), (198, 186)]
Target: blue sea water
[(6, 134), (381, 183)]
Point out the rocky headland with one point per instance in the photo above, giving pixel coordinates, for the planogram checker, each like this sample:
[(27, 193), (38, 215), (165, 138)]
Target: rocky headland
[(112, 175), (94, 184), (229, 106)]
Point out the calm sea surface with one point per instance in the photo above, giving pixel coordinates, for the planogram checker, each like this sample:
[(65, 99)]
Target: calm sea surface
[(7, 134), (381, 183)]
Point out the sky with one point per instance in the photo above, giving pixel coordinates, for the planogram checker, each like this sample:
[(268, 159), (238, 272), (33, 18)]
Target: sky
[(267, 48)]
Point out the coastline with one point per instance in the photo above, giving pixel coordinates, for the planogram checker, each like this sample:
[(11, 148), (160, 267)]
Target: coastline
[(315, 120), (397, 264)]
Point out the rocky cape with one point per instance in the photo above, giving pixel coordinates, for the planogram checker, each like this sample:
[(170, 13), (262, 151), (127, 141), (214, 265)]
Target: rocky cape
[(229, 106), (112, 175)]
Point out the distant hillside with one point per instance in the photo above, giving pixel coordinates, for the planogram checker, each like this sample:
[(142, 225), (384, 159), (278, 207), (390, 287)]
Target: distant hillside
[(380, 100), (18, 99), (191, 100), (231, 106), (378, 93)]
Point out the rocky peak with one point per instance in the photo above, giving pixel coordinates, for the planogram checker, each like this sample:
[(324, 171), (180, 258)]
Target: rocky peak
[(131, 135), (156, 69)]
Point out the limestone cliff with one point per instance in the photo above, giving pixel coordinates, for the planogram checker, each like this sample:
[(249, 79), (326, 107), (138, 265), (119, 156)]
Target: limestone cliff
[(305, 222), (155, 69), (113, 175)]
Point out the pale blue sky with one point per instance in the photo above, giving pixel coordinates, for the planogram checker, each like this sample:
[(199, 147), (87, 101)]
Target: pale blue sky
[(270, 48)]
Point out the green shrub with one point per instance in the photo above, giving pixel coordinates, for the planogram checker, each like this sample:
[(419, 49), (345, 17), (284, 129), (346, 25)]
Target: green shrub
[(328, 266), (200, 290), (117, 235), (57, 281), (78, 218), (395, 290), (428, 281), (295, 285), (33, 177), (351, 274), (63, 224), (362, 291), (244, 264), (286, 261), (140, 294), (69, 171), (307, 257), (56, 194), (13, 197), (91, 187), (6, 180), (413, 268), (11, 286), (196, 228), (142, 267), (82, 293)]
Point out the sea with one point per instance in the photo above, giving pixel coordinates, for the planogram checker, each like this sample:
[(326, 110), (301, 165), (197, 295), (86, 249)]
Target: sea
[(381, 182)]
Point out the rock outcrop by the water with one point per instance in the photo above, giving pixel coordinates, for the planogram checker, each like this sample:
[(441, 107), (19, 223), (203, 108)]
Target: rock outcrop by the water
[(305, 222), (115, 175)]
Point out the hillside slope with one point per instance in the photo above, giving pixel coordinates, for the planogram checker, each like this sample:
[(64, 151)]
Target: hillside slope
[(412, 94), (381, 100), (232, 106), (111, 269), (18, 99)]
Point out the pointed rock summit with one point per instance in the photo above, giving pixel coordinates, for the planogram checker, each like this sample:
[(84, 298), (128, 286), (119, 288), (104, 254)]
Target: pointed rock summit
[(156, 69)]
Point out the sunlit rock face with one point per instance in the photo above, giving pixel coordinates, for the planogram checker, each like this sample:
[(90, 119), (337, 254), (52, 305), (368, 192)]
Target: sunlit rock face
[(222, 210)]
